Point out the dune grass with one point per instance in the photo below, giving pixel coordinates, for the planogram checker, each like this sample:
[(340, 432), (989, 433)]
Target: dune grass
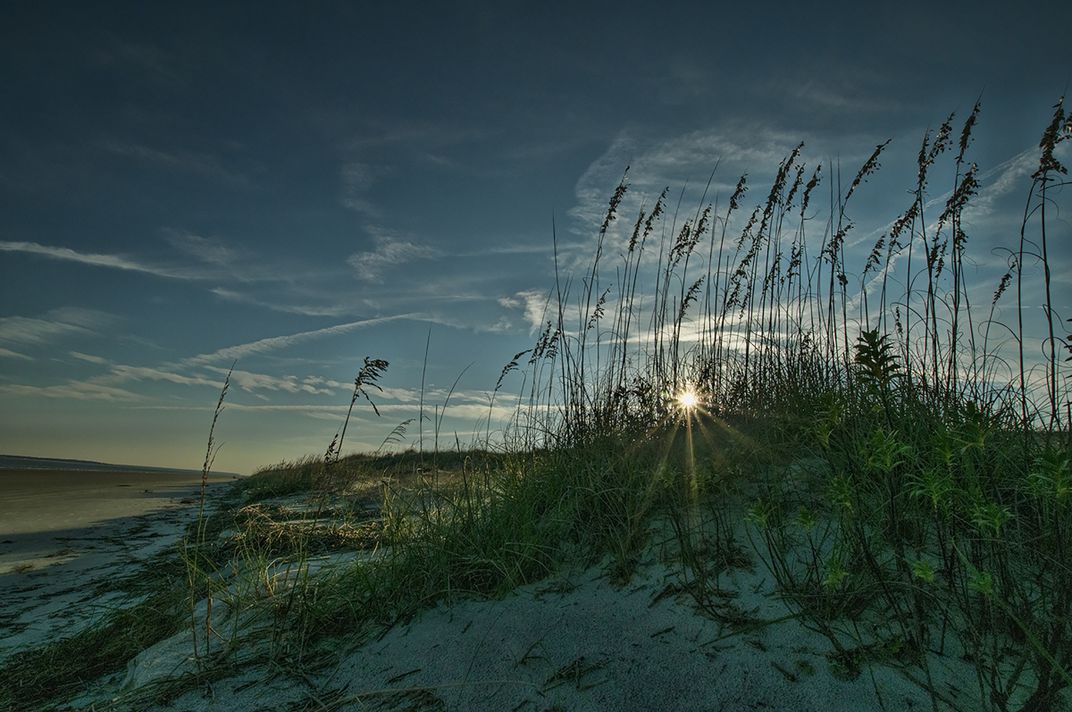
[(37, 678), (860, 435)]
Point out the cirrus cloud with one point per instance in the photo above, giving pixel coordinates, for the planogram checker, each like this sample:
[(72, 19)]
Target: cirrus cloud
[(391, 249)]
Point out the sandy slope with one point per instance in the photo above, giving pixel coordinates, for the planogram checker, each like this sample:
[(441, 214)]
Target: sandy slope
[(577, 642)]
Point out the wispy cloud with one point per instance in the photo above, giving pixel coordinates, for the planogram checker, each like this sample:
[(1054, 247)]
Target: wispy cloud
[(983, 213), (98, 260), (176, 159), (303, 309), (274, 343), (533, 305), (77, 390), (834, 94), (250, 381), (214, 260), (211, 252), (53, 325), (685, 161), (88, 358), (1009, 176), (473, 413), (25, 330), (121, 373), (184, 375), (356, 179), (598, 181), (392, 248), (80, 316), (695, 153), (8, 353), (542, 248)]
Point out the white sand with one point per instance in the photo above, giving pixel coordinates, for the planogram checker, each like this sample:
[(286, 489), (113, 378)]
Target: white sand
[(577, 642)]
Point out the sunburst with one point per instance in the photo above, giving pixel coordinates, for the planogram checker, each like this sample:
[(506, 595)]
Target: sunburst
[(687, 400)]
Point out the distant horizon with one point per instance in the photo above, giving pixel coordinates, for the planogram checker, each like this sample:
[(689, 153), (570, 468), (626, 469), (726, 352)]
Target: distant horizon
[(9, 461)]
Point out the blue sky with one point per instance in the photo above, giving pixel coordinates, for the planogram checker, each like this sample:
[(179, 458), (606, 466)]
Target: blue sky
[(186, 185)]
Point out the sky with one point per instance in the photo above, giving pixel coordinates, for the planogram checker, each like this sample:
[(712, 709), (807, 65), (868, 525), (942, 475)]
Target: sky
[(294, 187)]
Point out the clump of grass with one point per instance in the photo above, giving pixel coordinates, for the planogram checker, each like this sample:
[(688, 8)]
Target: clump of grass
[(935, 517), (37, 678), (479, 531), (281, 480)]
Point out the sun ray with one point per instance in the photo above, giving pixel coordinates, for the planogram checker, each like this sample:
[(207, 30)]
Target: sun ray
[(688, 400)]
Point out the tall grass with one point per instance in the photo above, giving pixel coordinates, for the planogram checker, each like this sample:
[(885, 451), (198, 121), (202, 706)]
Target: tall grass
[(942, 489)]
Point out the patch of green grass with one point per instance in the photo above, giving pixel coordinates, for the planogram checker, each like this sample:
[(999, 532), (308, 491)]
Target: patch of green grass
[(280, 480), (39, 677)]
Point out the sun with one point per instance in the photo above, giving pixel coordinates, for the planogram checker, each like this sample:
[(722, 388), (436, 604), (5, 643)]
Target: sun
[(688, 400)]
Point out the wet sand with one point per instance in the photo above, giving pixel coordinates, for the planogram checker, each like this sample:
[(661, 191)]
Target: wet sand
[(62, 531), (39, 501)]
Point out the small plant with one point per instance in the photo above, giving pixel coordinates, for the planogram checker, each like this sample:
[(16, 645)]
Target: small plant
[(198, 565)]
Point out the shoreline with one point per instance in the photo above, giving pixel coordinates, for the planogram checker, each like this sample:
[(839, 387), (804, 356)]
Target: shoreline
[(39, 501), (27, 463), (59, 540)]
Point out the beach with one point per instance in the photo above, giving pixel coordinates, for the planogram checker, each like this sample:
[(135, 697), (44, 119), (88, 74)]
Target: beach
[(579, 635), (64, 532)]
